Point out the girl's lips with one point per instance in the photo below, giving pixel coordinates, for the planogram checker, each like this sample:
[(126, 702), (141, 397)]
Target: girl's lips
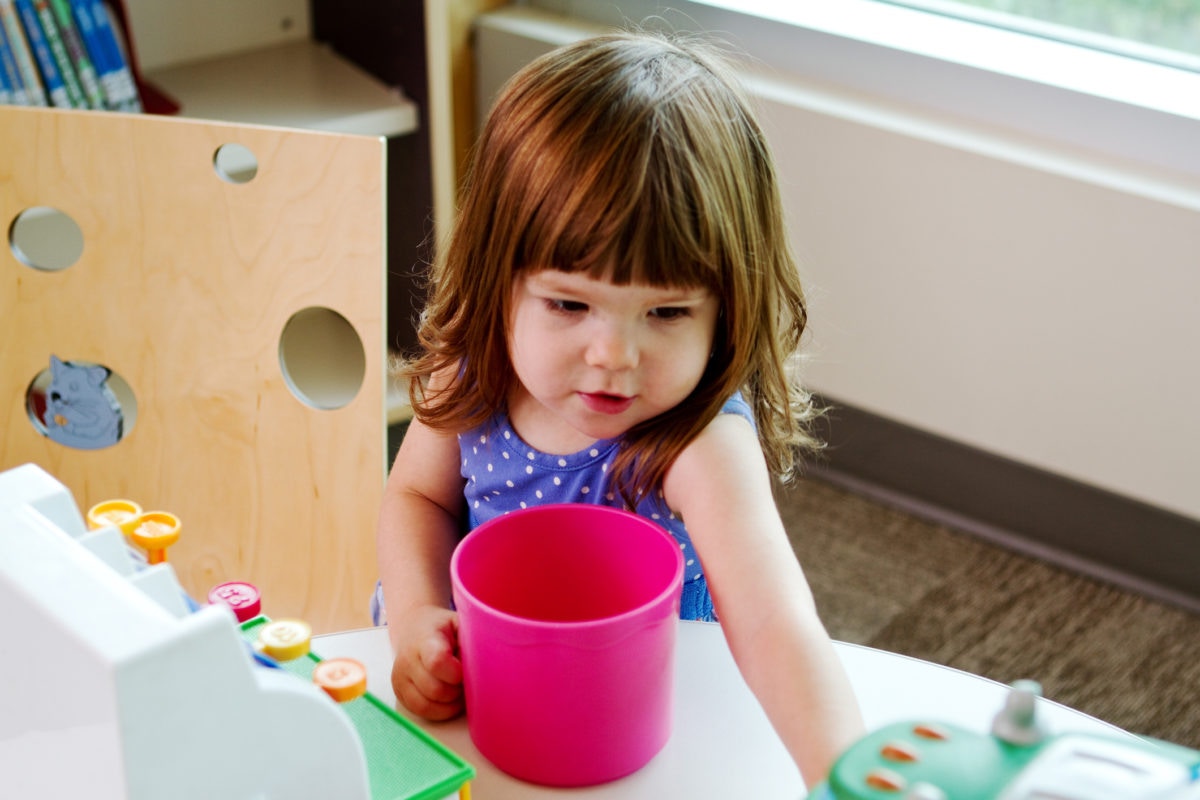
[(605, 403)]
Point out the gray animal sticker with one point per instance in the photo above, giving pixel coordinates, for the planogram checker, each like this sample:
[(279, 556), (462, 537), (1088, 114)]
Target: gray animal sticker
[(81, 410)]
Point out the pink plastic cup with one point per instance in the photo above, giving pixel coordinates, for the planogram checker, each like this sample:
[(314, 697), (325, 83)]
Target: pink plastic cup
[(567, 622)]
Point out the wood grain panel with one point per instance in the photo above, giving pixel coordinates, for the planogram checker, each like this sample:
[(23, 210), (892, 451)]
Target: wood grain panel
[(184, 286)]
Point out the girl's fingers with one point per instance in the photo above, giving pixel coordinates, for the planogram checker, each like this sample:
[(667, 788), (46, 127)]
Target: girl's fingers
[(438, 657)]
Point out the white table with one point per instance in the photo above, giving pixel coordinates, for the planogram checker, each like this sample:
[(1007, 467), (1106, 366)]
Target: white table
[(722, 745)]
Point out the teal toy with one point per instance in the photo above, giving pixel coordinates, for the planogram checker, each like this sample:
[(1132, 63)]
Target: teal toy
[(1019, 761)]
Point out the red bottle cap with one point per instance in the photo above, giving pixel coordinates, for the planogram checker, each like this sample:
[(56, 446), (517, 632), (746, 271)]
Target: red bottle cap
[(242, 597)]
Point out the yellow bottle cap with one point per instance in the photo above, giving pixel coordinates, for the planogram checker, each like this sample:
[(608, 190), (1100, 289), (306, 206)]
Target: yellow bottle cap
[(122, 513), (285, 639), (343, 679)]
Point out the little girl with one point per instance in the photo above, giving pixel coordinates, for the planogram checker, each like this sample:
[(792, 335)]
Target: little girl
[(610, 322)]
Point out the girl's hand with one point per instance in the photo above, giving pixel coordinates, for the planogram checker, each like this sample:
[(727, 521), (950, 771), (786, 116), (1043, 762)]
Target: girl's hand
[(427, 674)]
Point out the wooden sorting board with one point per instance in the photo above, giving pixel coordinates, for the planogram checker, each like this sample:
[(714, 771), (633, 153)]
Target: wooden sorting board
[(184, 287)]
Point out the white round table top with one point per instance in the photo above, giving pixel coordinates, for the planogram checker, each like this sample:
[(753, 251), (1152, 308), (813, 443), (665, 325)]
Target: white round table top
[(722, 745)]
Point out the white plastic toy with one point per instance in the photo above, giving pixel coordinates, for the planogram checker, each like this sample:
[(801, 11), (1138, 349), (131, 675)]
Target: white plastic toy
[(112, 687)]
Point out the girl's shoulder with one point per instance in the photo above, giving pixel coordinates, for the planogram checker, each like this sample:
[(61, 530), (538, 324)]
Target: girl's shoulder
[(738, 406), (724, 460), (722, 439)]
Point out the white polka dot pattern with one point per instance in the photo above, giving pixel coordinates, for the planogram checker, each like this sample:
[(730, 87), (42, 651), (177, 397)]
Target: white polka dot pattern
[(503, 473)]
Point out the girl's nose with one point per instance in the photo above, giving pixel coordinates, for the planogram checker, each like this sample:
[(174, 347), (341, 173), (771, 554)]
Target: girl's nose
[(613, 348)]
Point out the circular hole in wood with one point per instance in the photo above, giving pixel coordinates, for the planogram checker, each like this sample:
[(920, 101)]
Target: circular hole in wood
[(322, 358), (235, 163), (81, 404), (45, 238)]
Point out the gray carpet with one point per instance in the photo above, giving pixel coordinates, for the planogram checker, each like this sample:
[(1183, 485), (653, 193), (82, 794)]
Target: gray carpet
[(889, 580)]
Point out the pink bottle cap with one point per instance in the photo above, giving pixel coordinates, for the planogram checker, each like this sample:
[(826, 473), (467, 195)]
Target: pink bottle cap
[(242, 597)]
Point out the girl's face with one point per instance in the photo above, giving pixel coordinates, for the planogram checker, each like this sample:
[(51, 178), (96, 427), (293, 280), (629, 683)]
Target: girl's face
[(593, 359)]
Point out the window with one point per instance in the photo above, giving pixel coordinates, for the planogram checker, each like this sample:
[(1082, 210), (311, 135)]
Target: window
[(1165, 31), (1037, 93)]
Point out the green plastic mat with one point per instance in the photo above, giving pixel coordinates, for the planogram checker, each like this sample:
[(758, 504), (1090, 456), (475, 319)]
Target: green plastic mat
[(403, 762)]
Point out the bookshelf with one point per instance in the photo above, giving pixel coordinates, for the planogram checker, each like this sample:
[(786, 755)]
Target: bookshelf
[(293, 85), (257, 63)]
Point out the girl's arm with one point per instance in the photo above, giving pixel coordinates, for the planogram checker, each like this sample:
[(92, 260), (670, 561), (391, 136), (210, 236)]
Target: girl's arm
[(721, 487), (417, 533)]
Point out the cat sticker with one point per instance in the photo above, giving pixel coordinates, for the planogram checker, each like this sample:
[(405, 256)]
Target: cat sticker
[(81, 410)]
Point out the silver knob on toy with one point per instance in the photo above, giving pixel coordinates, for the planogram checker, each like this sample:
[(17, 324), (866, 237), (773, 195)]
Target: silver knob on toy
[(1017, 722)]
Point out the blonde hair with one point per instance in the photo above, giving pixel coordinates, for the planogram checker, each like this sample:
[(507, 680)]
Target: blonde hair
[(633, 157)]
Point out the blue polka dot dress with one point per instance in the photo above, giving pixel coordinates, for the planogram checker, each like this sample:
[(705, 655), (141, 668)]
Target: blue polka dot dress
[(503, 473)]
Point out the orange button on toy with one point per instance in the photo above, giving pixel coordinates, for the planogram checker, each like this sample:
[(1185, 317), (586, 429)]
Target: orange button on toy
[(343, 679), (285, 639), (932, 732), (900, 751), (885, 780)]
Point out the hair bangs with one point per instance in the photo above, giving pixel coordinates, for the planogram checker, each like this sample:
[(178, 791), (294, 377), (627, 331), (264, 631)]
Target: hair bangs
[(623, 212)]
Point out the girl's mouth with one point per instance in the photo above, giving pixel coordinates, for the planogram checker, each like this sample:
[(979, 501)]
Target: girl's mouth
[(605, 403)]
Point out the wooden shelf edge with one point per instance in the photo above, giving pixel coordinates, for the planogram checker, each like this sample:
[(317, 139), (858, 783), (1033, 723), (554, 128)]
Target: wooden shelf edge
[(294, 85)]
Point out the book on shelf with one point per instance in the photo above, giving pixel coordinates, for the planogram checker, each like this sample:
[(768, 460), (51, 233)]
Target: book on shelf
[(31, 80), (67, 54), (77, 52), (58, 49), (153, 99), (11, 89), (6, 97), (108, 58), (56, 89)]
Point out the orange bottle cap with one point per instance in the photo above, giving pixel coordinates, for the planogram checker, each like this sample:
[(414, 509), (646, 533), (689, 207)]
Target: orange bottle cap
[(343, 679), (156, 529)]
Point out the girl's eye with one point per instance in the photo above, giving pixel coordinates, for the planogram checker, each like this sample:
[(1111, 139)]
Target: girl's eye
[(566, 306), (670, 312)]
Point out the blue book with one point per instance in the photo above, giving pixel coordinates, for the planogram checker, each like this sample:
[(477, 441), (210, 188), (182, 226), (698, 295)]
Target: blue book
[(77, 52), (12, 90), (120, 90), (31, 81), (58, 48), (5, 92), (53, 81), (81, 10)]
